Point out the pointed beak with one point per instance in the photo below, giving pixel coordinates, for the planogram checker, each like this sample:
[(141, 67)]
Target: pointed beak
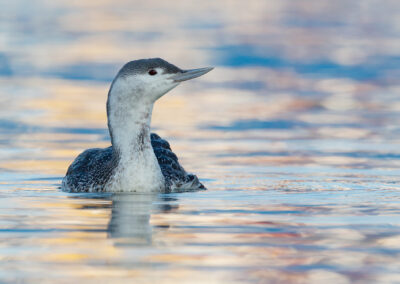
[(190, 74)]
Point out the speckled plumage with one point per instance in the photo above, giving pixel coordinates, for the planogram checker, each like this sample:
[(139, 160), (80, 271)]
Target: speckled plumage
[(93, 168)]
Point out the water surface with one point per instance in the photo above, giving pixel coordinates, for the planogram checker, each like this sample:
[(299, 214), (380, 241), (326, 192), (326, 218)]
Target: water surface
[(295, 133)]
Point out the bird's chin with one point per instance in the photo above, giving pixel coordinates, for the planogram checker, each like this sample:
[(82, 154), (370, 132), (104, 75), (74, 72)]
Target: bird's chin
[(166, 90)]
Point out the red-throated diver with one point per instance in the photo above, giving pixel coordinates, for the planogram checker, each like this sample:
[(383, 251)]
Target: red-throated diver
[(137, 161)]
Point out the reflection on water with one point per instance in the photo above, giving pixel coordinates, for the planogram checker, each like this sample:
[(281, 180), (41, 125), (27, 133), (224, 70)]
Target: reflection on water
[(295, 134), (130, 218)]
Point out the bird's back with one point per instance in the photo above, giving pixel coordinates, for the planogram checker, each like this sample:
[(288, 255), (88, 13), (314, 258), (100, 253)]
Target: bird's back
[(93, 168)]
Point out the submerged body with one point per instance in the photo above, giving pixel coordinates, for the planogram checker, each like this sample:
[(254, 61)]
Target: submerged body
[(137, 161)]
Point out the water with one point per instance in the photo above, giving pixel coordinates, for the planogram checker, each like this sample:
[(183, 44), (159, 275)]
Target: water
[(295, 133)]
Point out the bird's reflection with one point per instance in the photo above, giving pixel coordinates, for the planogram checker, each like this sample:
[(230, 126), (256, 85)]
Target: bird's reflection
[(130, 218), (129, 223)]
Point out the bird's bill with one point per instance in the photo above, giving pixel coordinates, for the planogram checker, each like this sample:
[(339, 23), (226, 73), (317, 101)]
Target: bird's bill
[(190, 74)]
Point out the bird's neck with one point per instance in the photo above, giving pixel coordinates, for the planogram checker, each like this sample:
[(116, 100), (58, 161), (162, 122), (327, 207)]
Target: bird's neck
[(129, 125)]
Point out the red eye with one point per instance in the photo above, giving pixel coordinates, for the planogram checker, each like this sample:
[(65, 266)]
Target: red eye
[(152, 72)]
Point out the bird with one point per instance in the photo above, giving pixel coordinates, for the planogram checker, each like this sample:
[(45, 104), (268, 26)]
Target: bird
[(137, 160)]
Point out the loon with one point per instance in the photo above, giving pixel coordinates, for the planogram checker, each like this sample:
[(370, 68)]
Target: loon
[(137, 160)]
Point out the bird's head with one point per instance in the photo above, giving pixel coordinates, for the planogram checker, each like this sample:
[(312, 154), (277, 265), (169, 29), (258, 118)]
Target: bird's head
[(146, 80)]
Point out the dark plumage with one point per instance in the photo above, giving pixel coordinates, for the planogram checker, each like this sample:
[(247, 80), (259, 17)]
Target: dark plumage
[(92, 169)]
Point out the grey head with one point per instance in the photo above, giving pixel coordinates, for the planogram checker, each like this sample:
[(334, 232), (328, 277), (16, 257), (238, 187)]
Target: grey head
[(143, 66), (153, 77), (152, 66), (144, 81)]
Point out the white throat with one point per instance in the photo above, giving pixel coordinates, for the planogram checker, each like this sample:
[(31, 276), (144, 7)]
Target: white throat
[(129, 118)]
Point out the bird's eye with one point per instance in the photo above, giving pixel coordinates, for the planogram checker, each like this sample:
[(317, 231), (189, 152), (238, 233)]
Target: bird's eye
[(152, 72)]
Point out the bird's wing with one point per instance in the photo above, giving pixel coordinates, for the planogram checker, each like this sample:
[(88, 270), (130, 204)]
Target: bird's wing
[(176, 177), (89, 171)]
